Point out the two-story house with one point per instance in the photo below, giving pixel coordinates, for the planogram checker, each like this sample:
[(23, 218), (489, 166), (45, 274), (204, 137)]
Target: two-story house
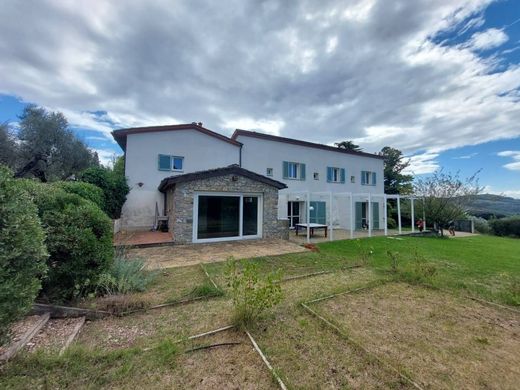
[(212, 187)]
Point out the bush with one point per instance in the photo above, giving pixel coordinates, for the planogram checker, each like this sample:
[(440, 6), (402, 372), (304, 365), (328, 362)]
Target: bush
[(125, 276), (113, 185), (85, 190), (509, 227), (22, 252), (252, 295), (391, 223), (79, 241), (481, 225)]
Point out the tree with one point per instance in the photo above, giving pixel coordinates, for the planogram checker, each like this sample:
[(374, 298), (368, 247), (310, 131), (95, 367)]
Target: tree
[(348, 145), (8, 147), (446, 197), (395, 181), (48, 148)]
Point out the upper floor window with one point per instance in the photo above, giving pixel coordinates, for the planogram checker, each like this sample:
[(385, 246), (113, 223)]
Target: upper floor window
[(293, 170), (170, 163), (335, 175), (368, 178), (269, 172), (316, 176)]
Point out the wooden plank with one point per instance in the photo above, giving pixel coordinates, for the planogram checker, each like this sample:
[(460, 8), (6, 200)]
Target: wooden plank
[(73, 335), (15, 347), (57, 311), (273, 372)]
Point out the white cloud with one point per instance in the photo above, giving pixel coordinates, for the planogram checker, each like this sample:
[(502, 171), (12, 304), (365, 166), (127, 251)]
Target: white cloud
[(106, 157), (422, 164), (264, 125), (488, 39), (515, 155), (465, 157), (513, 193)]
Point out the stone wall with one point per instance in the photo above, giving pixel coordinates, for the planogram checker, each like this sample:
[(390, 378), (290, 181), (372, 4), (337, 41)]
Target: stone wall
[(181, 197)]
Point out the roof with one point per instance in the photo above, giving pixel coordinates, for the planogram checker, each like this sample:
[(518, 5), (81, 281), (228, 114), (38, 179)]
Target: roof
[(121, 134), (230, 170), (293, 141)]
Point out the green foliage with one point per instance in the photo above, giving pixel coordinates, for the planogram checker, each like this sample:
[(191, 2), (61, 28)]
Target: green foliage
[(395, 181), (48, 149), (206, 289), (508, 227), (8, 146), (125, 276), (365, 251), (85, 190), (22, 252), (113, 185), (252, 295), (78, 239), (418, 270), (394, 260), (392, 224), (481, 225), (348, 145)]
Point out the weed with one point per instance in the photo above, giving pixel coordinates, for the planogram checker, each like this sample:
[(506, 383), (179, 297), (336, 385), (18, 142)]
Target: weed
[(125, 275), (206, 290), (394, 260), (365, 251)]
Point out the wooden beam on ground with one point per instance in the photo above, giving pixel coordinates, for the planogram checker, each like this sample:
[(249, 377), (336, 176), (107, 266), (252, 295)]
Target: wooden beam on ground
[(15, 347), (73, 335), (273, 372), (209, 277)]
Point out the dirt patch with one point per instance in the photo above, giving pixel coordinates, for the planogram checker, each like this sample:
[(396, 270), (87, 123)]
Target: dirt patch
[(227, 367), (53, 335), (18, 329), (439, 340)]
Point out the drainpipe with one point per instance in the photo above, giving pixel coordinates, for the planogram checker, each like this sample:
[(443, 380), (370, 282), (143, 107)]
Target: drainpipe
[(240, 156)]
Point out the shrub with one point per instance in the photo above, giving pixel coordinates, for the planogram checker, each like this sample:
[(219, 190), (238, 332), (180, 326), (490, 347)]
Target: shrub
[(22, 252), (125, 276), (391, 223), (365, 251), (509, 227), (394, 260), (85, 190), (79, 241), (113, 185), (481, 226), (252, 295)]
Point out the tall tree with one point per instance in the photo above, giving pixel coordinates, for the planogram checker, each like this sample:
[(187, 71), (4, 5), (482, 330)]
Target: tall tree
[(48, 149), (396, 182), (446, 196), (348, 145), (8, 146)]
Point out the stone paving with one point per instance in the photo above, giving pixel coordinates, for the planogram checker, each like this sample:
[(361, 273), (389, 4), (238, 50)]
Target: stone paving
[(183, 255)]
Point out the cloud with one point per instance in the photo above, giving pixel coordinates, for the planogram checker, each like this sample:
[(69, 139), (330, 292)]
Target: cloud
[(106, 157), (321, 71), (515, 155), (513, 193), (465, 157), (422, 164), (488, 39)]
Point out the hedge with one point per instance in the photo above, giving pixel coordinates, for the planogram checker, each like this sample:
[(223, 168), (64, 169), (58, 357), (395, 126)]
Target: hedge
[(506, 226), (79, 241), (85, 190), (22, 252)]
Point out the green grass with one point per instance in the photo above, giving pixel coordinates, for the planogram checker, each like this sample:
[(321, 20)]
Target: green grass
[(486, 266)]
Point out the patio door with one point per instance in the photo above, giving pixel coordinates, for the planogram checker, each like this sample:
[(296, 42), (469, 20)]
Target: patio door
[(220, 217), (293, 213), (362, 215)]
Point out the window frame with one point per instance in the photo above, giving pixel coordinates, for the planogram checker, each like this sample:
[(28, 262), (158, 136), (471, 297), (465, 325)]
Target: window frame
[(171, 164), (269, 172)]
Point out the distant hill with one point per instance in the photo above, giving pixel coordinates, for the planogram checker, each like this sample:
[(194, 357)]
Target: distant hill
[(488, 205)]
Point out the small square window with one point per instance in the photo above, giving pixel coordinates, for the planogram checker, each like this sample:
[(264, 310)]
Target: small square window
[(177, 163), (316, 176), (352, 179), (269, 171)]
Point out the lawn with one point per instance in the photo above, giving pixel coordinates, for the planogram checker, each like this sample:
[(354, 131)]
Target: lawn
[(436, 336)]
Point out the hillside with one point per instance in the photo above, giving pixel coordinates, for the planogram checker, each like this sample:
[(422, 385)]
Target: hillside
[(487, 205)]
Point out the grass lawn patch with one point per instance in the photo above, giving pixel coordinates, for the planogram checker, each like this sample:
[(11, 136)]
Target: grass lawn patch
[(437, 339), (484, 266)]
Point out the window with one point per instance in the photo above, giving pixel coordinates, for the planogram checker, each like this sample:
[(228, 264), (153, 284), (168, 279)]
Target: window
[(293, 170), (352, 179), (170, 163), (316, 176), (335, 175), (368, 178), (269, 171)]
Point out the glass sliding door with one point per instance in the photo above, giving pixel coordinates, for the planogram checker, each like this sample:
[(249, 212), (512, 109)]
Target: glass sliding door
[(218, 217), (233, 216), (250, 215)]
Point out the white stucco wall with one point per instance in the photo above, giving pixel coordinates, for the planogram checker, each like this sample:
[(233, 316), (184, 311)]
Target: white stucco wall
[(200, 152), (260, 154)]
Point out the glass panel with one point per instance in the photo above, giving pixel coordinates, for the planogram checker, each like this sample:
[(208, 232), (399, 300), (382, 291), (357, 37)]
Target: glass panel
[(164, 162), (250, 216), (177, 163), (218, 216)]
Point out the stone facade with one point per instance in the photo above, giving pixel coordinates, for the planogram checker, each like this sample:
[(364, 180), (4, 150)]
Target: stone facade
[(180, 200)]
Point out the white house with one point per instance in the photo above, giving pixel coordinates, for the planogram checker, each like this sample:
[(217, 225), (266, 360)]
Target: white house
[(166, 165)]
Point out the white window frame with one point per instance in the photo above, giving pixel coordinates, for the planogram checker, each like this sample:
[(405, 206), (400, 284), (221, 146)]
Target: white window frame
[(368, 180), (240, 236), (337, 173), (269, 172), (173, 162), (297, 170)]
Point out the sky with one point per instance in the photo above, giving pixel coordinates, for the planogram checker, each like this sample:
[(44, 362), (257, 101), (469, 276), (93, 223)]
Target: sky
[(437, 79)]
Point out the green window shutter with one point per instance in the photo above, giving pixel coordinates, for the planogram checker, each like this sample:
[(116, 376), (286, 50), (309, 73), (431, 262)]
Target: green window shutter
[(302, 171), (285, 169), (373, 178), (375, 215), (318, 213), (329, 174), (359, 215), (165, 162), (363, 178), (342, 175)]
